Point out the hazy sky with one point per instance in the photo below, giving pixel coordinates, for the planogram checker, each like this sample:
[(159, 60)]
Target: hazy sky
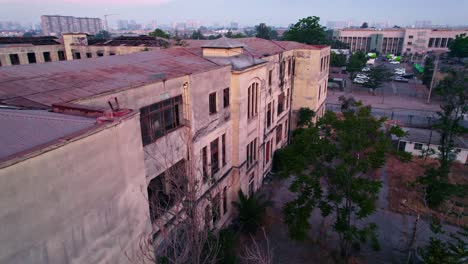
[(274, 12)]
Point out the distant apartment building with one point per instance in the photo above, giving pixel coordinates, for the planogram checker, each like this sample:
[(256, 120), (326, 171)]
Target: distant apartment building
[(57, 25), (82, 179), (399, 40)]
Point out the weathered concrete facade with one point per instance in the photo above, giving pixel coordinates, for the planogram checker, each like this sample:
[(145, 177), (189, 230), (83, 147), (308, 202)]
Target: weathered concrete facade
[(222, 113), (75, 201)]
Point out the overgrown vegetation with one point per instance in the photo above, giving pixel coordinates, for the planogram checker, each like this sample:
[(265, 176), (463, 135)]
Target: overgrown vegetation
[(159, 33), (265, 32), (356, 62), (454, 93), (459, 46), (307, 30), (251, 211), (337, 60), (329, 163), (377, 76)]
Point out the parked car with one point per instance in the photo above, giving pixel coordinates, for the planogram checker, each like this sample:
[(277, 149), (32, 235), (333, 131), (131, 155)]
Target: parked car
[(400, 79), (361, 76), (394, 62), (359, 80), (408, 75), (365, 69)]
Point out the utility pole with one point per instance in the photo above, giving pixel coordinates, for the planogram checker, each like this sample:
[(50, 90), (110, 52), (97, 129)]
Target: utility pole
[(436, 64)]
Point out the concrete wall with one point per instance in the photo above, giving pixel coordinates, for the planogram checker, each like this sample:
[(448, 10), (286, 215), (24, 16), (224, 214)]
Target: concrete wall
[(83, 202), (23, 50)]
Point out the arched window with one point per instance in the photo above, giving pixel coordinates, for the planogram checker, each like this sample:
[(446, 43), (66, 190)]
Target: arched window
[(252, 97)]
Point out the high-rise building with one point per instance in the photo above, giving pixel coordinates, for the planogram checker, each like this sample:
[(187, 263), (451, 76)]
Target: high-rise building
[(56, 25), (122, 24)]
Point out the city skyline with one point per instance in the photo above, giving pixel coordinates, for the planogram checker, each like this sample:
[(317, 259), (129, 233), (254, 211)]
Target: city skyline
[(244, 12)]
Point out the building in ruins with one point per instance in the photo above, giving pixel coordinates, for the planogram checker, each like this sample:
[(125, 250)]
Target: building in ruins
[(90, 147)]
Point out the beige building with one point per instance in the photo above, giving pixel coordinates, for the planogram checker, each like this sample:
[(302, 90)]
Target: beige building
[(71, 46), (399, 40), (215, 110)]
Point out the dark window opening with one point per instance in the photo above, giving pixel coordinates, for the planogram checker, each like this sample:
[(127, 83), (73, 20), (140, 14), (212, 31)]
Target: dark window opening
[(205, 164), (270, 76), (61, 55), (212, 103), (214, 157), (280, 103), (226, 97), (111, 53), (252, 97), (160, 118), (47, 57), (77, 56), (268, 115), (167, 189), (100, 54), (251, 184), (89, 55), (251, 153), (410, 36), (32, 57), (418, 146), (223, 149), (279, 133), (225, 200), (14, 59)]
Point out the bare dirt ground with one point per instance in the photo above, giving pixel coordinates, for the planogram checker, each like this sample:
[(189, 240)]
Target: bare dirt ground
[(405, 199)]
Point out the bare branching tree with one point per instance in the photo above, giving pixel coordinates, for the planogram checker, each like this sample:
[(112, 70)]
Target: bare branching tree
[(256, 253)]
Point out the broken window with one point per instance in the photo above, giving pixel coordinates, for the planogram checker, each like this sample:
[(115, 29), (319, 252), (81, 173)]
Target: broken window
[(251, 184), (100, 54), (31, 57), (47, 57), (267, 152), (223, 149), (89, 55), (251, 154), (205, 164), (166, 189), (61, 55), (279, 133), (214, 157), (268, 115), (159, 119), (212, 103), (252, 103), (226, 97), (287, 99), (280, 103), (270, 74), (14, 59), (76, 56)]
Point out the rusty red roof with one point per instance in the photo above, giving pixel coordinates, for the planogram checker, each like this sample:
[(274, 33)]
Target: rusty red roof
[(67, 81)]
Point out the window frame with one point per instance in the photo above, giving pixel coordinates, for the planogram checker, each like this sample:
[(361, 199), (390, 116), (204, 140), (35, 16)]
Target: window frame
[(418, 146), (226, 97), (212, 104), (214, 156), (150, 113)]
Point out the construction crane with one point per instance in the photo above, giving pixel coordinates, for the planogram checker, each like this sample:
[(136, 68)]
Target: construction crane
[(105, 20)]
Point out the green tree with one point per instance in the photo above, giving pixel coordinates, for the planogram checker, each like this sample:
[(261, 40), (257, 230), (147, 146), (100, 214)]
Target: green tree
[(459, 46), (265, 32), (229, 34), (330, 162), (365, 25), (307, 30), (377, 76), (454, 93), (102, 35), (197, 35), (356, 62), (211, 37), (251, 211), (304, 117), (337, 60), (428, 71), (159, 33)]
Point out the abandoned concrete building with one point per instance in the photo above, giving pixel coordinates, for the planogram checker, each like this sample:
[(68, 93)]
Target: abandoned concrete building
[(91, 144), (71, 46)]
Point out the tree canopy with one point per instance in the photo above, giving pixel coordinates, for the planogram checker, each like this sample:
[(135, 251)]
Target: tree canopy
[(307, 30), (265, 32), (459, 46), (159, 33), (197, 34), (365, 25), (356, 62), (229, 34), (337, 60), (377, 76), (330, 162)]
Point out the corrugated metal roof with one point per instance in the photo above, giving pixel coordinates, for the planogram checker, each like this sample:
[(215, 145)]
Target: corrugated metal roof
[(66, 81), (21, 130), (223, 42)]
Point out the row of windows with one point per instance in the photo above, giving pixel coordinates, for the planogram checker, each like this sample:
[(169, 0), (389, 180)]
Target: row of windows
[(214, 152), (439, 42), (77, 55), (15, 59), (324, 63)]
